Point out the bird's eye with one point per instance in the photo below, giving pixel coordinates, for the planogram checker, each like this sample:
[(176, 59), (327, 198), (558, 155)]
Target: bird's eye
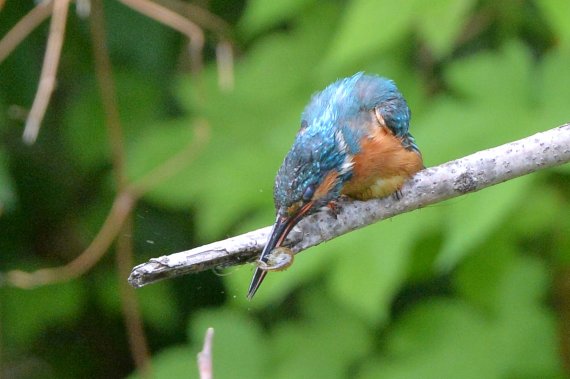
[(379, 117), (308, 193)]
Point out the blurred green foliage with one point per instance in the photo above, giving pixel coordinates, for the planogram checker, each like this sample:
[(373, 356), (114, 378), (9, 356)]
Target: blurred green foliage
[(469, 288)]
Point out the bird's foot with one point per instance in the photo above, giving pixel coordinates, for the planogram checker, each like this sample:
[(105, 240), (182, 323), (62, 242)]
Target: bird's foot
[(279, 259), (398, 195), (335, 206)]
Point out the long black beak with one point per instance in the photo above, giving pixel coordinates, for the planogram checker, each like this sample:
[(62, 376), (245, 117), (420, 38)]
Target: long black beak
[(278, 234), (281, 229)]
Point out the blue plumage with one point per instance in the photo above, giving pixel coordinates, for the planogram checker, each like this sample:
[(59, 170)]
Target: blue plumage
[(349, 97)]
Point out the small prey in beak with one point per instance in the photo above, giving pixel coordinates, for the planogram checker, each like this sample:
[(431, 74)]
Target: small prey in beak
[(275, 257)]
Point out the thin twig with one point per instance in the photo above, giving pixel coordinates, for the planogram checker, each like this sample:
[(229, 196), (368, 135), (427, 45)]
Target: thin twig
[(176, 162), (129, 302), (24, 27), (432, 185), (225, 64), (104, 75), (205, 356), (201, 16), (176, 22), (49, 71), (124, 248), (83, 8), (119, 212)]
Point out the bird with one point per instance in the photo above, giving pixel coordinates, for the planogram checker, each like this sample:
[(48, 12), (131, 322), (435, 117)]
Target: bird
[(354, 141)]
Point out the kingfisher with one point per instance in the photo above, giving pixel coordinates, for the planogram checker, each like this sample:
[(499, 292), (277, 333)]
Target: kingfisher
[(354, 142)]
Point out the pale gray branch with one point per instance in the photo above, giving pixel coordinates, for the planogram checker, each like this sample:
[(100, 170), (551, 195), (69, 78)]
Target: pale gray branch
[(432, 185)]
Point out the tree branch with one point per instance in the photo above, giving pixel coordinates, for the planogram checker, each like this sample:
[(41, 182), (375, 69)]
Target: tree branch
[(24, 27), (130, 306), (432, 185), (49, 71)]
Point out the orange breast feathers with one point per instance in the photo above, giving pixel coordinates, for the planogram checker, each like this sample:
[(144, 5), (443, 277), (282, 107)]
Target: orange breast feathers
[(382, 166)]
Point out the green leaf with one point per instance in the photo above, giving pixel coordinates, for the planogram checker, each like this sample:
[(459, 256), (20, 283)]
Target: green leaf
[(500, 100), (439, 339), (261, 15), (173, 362), (156, 302), (441, 21), (496, 79), (369, 26), (223, 181), (325, 344), (526, 329), (30, 312), (154, 148), (371, 264), (87, 137), (557, 14), (467, 226), (539, 215), (452, 339), (498, 106), (153, 53), (553, 81), (477, 277)]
